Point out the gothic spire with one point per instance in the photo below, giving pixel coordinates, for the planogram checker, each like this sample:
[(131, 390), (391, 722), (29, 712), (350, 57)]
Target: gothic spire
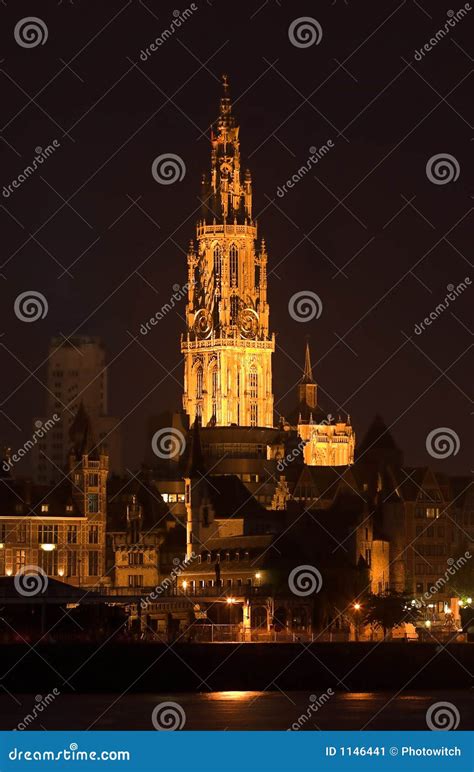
[(308, 370), (307, 387), (226, 119)]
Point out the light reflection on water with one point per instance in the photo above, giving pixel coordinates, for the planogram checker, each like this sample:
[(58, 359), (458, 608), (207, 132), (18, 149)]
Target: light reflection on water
[(231, 695), (243, 710)]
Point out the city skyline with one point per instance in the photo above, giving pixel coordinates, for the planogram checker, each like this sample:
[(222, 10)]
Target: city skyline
[(399, 257), (236, 404)]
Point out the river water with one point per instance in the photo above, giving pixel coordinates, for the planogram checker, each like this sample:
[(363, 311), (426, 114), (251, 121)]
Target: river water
[(237, 710)]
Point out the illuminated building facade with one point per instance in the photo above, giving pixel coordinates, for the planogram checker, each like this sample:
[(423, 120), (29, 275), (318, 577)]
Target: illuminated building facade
[(60, 530), (328, 442), (227, 346)]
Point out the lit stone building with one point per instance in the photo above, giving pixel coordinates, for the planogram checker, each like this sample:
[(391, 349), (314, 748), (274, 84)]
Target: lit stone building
[(60, 529), (227, 345), (328, 441)]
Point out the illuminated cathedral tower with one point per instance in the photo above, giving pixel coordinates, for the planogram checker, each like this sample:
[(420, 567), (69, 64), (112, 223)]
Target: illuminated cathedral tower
[(227, 346)]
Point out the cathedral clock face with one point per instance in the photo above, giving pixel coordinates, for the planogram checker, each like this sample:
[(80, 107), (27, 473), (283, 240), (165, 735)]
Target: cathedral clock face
[(248, 323), (203, 324)]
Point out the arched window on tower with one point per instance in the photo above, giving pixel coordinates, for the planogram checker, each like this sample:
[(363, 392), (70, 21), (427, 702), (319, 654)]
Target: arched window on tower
[(199, 390), (253, 394), (214, 385), (199, 382), (234, 265), (253, 382), (217, 261)]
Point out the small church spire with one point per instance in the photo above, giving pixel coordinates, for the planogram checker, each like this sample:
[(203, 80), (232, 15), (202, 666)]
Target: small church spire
[(308, 370), (307, 387)]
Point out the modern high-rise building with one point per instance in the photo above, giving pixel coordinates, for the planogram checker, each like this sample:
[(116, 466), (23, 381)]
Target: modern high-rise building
[(77, 373), (227, 345)]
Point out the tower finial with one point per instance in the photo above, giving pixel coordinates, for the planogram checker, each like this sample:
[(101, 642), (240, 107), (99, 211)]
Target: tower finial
[(225, 83), (308, 370)]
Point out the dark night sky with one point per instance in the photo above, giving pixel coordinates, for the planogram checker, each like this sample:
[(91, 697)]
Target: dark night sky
[(360, 87)]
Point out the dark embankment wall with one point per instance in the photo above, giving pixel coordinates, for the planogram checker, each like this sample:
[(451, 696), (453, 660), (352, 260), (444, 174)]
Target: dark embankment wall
[(154, 667)]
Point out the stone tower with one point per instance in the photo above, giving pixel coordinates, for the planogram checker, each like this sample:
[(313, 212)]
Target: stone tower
[(88, 472), (227, 346)]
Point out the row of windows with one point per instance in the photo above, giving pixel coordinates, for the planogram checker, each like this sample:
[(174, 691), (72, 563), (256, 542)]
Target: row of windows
[(438, 606), (431, 512), (47, 534), (428, 569), (212, 557), (172, 498), (201, 583), (49, 562), (432, 549), (430, 531), (233, 263), (429, 494)]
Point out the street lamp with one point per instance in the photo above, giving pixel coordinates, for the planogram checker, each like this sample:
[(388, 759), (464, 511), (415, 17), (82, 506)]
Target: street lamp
[(357, 607)]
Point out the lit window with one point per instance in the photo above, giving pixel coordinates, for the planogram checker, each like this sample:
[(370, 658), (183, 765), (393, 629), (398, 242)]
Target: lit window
[(44, 507), (92, 502), (93, 534), (217, 261), (234, 265)]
